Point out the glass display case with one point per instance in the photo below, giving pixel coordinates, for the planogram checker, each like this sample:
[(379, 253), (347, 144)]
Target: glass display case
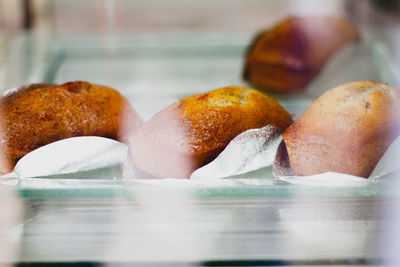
[(154, 53)]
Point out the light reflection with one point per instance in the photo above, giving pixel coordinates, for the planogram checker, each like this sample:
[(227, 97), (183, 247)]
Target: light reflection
[(10, 226)]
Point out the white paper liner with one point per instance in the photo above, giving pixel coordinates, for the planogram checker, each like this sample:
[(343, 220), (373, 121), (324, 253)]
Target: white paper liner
[(248, 156), (71, 155), (250, 150), (246, 153), (330, 179), (247, 159), (186, 183), (388, 164)]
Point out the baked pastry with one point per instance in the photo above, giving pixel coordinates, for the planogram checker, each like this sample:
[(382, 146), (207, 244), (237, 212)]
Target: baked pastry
[(287, 57), (192, 132), (40, 114), (346, 130)]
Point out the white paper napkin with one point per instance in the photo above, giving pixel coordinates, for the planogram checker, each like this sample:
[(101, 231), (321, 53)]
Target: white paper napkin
[(388, 164), (247, 154), (71, 155), (249, 151)]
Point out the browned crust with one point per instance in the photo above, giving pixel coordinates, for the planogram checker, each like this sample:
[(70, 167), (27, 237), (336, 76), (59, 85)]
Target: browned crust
[(346, 130), (41, 114), (192, 132), (288, 56)]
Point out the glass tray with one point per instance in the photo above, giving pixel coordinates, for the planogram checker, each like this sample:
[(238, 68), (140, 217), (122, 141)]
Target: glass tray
[(97, 218), (153, 71)]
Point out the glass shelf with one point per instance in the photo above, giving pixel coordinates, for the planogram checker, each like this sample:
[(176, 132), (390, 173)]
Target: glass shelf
[(94, 218)]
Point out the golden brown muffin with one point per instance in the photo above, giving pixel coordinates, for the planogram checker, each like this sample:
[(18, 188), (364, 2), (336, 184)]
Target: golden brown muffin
[(287, 57), (40, 114), (346, 130), (192, 132)]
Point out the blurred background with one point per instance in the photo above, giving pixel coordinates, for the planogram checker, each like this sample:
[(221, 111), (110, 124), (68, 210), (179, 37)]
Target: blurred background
[(115, 25), (122, 17), (155, 52)]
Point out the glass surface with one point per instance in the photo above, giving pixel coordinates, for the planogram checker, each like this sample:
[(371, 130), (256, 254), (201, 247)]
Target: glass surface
[(175, 227), (153, 71), (195, 46), (101, 218)]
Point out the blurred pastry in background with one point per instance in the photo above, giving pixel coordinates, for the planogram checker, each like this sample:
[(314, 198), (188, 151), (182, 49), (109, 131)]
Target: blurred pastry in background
[(39, 114), (192, 132), (285, 58), (346, 130)]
